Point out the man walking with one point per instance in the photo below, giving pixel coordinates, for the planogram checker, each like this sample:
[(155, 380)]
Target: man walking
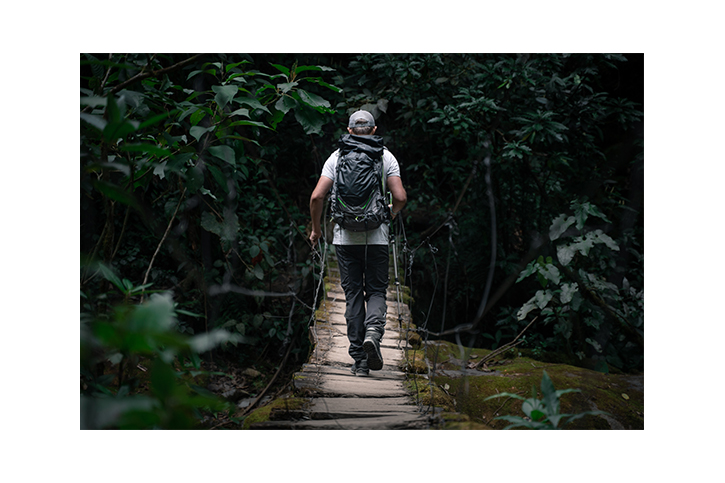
[(362, 255)]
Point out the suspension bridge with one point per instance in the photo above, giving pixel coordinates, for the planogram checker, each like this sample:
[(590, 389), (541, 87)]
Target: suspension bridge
[(337, 399)]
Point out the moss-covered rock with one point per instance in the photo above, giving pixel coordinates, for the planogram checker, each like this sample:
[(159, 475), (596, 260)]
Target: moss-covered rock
[(622, 396)]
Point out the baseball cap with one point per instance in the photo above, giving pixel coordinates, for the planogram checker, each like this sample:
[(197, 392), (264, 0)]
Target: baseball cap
[(369, 119)]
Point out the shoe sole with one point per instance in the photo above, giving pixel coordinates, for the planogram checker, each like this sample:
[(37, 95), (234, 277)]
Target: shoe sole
[(375, 359), (359, 372)]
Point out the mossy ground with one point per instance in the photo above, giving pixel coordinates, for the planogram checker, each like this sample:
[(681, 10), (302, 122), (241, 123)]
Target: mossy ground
[(621, 396), (280, 406)]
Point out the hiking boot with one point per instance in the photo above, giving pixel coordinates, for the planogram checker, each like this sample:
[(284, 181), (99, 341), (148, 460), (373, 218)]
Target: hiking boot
[(360, 368), (372, 347)]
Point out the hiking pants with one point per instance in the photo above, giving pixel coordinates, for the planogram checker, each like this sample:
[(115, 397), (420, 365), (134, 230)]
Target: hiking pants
[(364, 278)]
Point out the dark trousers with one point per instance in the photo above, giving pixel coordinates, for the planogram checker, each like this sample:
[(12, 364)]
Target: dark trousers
[(364, 278)]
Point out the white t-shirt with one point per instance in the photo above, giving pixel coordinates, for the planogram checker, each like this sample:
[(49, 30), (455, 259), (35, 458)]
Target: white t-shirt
[(378, 236)]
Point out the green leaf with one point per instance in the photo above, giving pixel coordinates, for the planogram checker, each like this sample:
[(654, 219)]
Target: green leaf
[(159, 117), (109, 275), (236, 64), (560, 225), (258, 272), (197, 131), (285, 103), (286, 87), (532, 267), (160, 170), (96, 121), (303, 68), (542, 298), (310, 120), (210, 223), (119, 130), (601, 237), (251, 102), (282, 69), (93, 101), (533, 408), (323, 84), (224, 94), (218, 177), (146, 148), (526, 308), (240, 112), (506, 394), (116, 193), (248, 123), (583, 210), (565, 254), (194, 179), (313, 100), (197, 116), (550, 272), (223, 152), (567, 292)]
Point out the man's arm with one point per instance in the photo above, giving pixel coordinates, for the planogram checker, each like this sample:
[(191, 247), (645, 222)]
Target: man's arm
[(316, 203), (400, 197)]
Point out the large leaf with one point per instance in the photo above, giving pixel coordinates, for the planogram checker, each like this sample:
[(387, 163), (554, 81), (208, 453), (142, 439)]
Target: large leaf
[(224, 94), (96, 121), (197, 131), (532, 267), (310, 120), (550, 272), (223, 152), (583, 210), (542, 298), (251, 102), (313, 100), (303, 68), (282, 69), (285, 87), (560, 225), (567, 292), (285, 103), (601, 237), (534, 409), (116, 193)]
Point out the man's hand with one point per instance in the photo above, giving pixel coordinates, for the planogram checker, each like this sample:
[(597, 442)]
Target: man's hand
[(314, 236)]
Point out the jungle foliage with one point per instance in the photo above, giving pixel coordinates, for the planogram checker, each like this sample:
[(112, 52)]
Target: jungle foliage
[(195, 176)]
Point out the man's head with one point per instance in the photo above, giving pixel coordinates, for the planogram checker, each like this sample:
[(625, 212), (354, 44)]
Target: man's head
[(361, 123)]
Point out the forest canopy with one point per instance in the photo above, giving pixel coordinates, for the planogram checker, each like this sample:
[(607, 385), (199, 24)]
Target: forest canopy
[(525, 182)]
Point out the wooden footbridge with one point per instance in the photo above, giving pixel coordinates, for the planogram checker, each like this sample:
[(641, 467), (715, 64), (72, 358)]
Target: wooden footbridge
[(337, 399)]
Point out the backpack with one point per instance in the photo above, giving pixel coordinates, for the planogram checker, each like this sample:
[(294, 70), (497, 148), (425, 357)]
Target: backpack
[(357, 202)]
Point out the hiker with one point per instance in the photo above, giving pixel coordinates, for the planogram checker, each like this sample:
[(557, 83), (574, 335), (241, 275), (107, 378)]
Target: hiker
[(362, 249)]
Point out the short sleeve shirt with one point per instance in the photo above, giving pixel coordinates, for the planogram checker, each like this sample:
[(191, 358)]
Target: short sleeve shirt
[(378, 236)]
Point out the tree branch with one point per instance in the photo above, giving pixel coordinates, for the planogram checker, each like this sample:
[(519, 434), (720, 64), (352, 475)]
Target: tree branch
[(143, 75), (505, 347), (163, 239)]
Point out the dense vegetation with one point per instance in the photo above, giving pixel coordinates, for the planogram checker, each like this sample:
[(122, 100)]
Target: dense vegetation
[(196, 172)]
